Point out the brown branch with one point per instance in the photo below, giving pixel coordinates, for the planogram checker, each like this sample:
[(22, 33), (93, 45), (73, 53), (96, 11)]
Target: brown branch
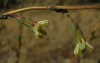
[(94, 30), (75, 58), (49, 7)]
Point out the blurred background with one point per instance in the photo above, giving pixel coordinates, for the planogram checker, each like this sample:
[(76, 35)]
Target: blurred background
[(19, 44)]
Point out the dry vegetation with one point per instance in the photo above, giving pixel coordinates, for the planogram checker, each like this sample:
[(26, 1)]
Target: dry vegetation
[(58, 45)]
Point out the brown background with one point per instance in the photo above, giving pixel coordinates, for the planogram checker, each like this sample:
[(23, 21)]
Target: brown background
[(58, 45)]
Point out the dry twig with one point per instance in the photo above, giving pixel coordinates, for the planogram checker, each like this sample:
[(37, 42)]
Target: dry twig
[(49, 7)]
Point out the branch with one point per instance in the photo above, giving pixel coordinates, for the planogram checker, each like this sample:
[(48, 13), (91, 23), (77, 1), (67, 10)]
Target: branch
[(49, 7), (94, 30)]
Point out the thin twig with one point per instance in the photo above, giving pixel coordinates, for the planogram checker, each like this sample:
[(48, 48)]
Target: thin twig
[(75, 58), (49, 7), (94, 30), (20, 37)]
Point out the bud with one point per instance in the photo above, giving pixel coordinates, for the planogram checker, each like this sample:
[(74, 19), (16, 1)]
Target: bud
[(81, 45), (36, 27)]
